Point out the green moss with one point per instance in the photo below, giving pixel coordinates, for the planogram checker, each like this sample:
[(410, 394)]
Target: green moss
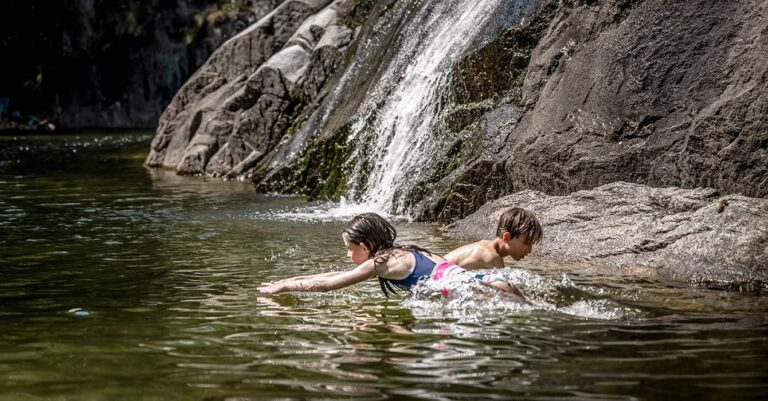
[(358, 13), (319, 172)]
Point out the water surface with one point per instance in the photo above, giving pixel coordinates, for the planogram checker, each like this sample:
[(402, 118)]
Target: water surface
[(123, 283)]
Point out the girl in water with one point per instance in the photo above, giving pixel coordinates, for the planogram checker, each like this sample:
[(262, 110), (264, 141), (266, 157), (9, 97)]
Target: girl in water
[(370, 242)]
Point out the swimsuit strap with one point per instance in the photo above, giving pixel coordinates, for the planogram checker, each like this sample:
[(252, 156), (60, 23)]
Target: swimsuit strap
[(422, 268)]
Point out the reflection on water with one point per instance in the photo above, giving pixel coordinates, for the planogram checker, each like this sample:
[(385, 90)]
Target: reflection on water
[(122, 283)]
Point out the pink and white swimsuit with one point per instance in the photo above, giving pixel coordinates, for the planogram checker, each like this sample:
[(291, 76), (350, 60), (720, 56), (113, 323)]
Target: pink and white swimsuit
[(448, 269)]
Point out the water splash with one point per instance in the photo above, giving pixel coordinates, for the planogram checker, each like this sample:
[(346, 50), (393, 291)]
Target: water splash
[(321, 212), (463, 298)]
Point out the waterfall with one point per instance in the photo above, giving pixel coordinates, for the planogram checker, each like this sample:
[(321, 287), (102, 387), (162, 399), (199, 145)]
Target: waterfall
[(393, 131)]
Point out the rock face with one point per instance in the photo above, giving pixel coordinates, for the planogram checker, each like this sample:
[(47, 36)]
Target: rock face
[(579, 95), (650, 92), (683, 234), (658, 93), (238, 106)]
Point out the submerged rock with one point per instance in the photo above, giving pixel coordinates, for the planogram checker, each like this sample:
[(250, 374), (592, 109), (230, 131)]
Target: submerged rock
[(693, 235)]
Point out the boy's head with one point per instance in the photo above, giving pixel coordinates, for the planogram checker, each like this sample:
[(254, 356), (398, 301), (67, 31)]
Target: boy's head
[(519, 230)]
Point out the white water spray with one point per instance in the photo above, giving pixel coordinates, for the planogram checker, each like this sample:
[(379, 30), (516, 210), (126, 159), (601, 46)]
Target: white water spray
[(404, 123)]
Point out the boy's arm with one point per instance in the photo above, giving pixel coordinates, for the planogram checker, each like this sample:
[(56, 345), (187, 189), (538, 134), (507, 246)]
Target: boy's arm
[(322, 281)]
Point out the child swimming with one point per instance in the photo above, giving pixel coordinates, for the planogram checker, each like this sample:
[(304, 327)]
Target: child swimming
[(516, 233), (370, 242)]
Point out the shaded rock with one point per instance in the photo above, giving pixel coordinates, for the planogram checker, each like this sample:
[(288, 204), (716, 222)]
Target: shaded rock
[(648, 91), (693, 235), (111, 64), (474, 166), (242, 101)]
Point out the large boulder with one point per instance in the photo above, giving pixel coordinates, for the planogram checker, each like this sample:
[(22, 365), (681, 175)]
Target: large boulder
[(694, 235), (647, 91), (239, 105)]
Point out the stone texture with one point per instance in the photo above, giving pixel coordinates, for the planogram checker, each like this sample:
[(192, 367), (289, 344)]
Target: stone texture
[(648, 91), (314, 161), (693, 235), (617, 90), (241, 102)]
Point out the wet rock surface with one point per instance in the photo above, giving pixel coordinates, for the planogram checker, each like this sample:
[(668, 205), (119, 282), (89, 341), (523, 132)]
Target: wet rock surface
[(694, 235)]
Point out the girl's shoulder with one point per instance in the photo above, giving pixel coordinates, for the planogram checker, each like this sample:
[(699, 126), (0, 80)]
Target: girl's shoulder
[(393, 253)]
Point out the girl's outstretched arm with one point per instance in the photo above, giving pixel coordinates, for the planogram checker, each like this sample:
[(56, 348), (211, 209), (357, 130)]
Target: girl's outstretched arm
[(317, 275), (323, 281)]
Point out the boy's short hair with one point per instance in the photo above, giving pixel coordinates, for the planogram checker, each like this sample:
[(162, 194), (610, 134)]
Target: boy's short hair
[(518, 221)]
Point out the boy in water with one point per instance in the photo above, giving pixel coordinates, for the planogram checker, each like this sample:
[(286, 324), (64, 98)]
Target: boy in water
[(518, 230)]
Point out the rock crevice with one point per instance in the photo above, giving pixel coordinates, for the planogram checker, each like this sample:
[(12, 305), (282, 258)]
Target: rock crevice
[(241, 102)]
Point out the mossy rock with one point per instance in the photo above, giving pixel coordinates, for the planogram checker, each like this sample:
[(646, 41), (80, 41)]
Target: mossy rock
[(318, 172), (496, 69)]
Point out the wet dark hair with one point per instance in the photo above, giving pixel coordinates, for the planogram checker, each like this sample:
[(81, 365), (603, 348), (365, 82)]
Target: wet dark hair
[(371, 230), (518, 221), (378, 235)]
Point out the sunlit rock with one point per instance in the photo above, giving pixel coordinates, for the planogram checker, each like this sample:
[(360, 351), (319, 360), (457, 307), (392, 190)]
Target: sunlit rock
[(238, 106), (694, 235)]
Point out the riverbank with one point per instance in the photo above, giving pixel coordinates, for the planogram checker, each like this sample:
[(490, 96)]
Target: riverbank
[(32, 126)]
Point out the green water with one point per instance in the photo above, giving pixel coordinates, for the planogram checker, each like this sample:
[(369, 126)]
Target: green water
[(123, 283)]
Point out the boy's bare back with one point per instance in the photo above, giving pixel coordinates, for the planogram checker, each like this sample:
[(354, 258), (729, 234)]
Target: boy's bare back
[(477, 255), (517, 231)]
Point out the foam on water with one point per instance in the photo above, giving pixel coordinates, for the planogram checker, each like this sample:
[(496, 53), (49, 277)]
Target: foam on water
[(323, 212), (466, 299)]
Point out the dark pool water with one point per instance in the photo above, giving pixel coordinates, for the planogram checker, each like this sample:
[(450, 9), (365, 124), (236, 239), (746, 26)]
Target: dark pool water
[(123, 283)]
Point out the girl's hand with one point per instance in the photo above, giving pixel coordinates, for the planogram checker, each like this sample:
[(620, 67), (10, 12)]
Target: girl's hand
[(271, 288)]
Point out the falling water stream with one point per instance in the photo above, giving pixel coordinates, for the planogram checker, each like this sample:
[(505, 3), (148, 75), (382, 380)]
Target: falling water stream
[(394, 128)]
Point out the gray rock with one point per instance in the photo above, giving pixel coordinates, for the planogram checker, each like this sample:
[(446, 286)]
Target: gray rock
[(692, 235), (618, 90), (240, 104), (651, 92)]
